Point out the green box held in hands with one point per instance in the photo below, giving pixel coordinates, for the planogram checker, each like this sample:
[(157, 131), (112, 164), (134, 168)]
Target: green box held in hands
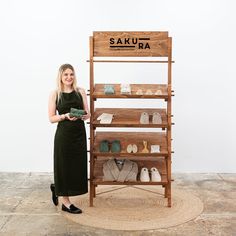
[(74, 112)]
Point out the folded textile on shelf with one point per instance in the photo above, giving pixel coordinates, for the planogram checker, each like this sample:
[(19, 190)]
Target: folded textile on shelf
[(155, 148), (105, 118), (121, 172)]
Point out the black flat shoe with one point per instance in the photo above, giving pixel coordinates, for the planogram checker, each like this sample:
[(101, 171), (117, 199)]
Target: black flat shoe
[(54, 196), (73, 209)]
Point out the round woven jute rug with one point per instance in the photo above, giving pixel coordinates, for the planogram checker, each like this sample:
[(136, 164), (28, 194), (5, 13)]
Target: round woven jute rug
[(135, 208)]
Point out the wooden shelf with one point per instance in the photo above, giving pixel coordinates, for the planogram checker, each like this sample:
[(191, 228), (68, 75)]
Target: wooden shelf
[(99, 91), (129, 117), (160, 164), (131, 61), (124, 46), (126, 138), (101, 182)]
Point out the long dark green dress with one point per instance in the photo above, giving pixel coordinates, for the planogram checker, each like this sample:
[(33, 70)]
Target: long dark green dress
[(70, 150)]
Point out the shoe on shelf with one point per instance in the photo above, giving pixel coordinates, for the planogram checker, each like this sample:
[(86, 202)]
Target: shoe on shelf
[(156, 118), (135, 148), (132, 148), (149, 92), (144, 175), (155, 175), (109, 89), (144, 118), (139, 92), (54, 196), (72, 209), (104, 146), (145, 149), (115, 146), (129, 148), (158, 92)]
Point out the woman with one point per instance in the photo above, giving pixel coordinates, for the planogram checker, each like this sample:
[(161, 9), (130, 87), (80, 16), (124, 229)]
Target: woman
[(70, 144)]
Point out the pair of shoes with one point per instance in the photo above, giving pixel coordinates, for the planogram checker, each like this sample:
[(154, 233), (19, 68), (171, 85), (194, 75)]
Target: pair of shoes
[(155, 175), (54, 196), (148, 92), (156, 118), (132, 148), (115, 146), (72, 209), (140, 92)]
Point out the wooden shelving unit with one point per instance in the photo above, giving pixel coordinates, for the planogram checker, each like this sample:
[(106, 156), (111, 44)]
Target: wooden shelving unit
[(159, 46)]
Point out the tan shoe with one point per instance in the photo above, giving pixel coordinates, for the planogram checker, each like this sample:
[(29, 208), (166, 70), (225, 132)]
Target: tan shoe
[(145, 149), (158, 92), (149, 92), (139, 92)]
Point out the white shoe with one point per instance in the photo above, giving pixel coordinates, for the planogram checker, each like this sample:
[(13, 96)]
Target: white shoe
[(156, 118), (144, 118), (155, 175), (135, 148), (129, 148), (144, 175)]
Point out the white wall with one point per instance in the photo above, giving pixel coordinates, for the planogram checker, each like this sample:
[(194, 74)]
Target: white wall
[(38, 36)]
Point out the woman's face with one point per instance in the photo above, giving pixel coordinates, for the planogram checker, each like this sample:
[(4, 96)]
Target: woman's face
[(67, 77)]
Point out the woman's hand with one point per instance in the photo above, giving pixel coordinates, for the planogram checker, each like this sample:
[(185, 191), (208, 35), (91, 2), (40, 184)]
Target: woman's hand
[(85, 117), (67, 115)]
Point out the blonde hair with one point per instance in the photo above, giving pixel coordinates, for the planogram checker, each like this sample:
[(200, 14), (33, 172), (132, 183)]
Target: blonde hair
[(59, 89)]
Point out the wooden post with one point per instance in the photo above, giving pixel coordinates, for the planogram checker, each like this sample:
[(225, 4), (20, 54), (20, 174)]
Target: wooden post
[(92, 190), (168, 190)]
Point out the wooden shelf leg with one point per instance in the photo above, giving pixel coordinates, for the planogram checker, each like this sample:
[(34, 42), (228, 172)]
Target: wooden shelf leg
[(91, 194), (169, 195), (94, 190), (166, 191)]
